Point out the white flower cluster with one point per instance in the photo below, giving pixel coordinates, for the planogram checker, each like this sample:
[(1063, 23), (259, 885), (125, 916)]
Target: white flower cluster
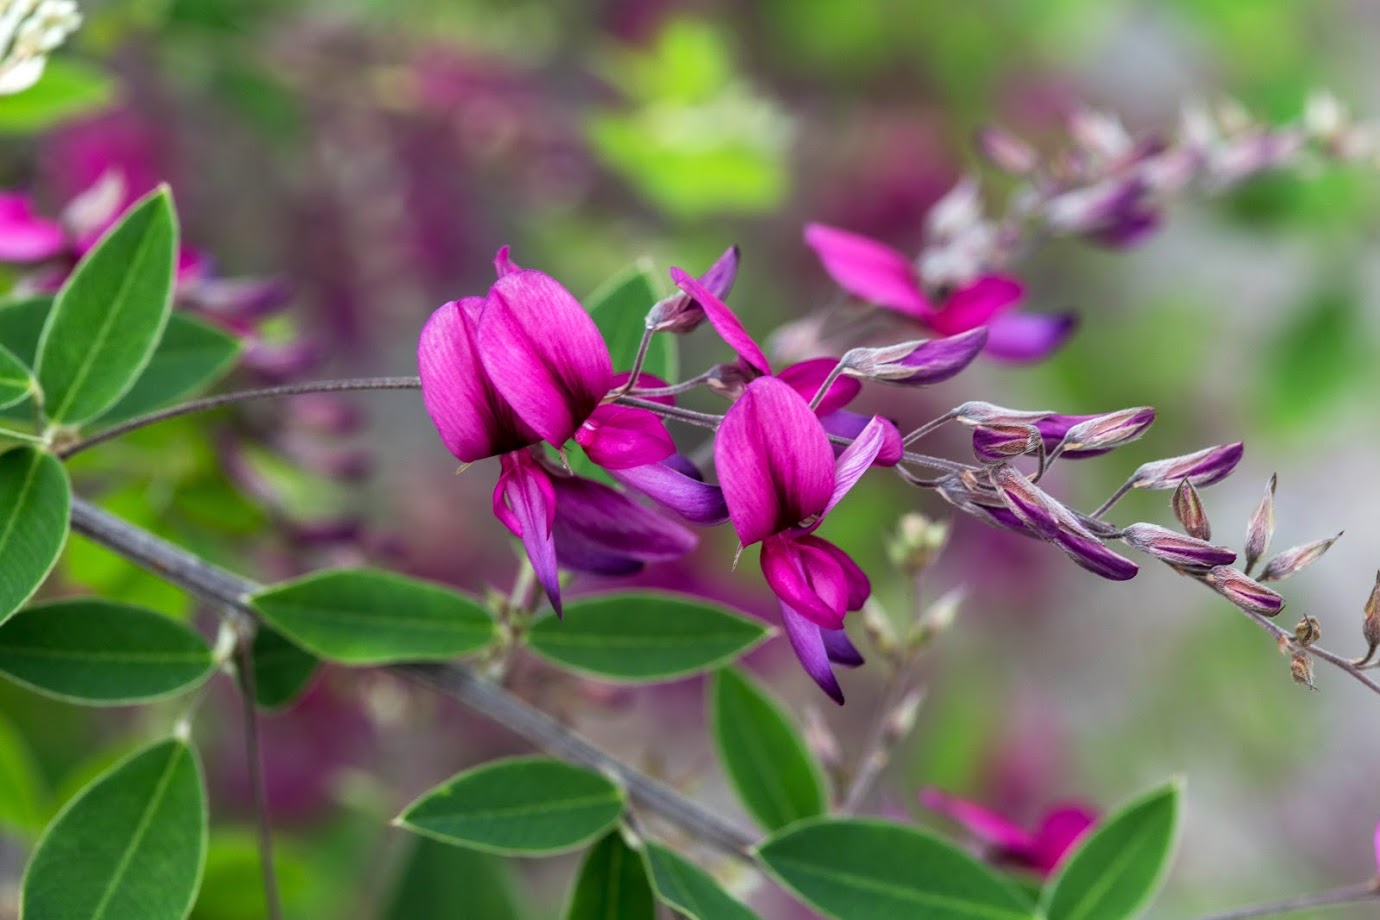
[(29, 30)]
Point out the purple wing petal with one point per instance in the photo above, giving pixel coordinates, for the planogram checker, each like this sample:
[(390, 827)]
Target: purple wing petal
[(807, 577), (774, 460), (598, 529), (619, 437), (1096, 558), (474, 421), (977, 304), (676, 490), (724, 321), (807, 641), (848, 424), (1029, 336), (543, 353), (841, 649), (525, 501), (869, 270), (806, 377), (24, 236), (857, 458)]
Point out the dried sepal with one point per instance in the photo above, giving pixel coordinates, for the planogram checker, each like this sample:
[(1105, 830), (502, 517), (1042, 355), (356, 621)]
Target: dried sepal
[(1296, 558), (1301, 669), (976, 413), (1188, 508), (1262, 525), (1308, 630), (1370, 626)]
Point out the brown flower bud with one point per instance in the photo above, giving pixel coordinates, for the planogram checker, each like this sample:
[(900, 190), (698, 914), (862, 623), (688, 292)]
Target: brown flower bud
[(1296, 558), (1301, 668), (1308, 630), (1188, 508), (1261, 527), (1370, 626)]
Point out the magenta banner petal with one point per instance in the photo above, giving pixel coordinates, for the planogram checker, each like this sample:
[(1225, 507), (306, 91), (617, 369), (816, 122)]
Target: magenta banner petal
[(774, 461), (806, 377), (24, 236), (806, 577), (987, 826), (525, 501), (724, 321), (1059, 832), (598, 529), (1029, 336), (474, 421), (676, 490), (857, 458), (808, 644), (977, 304), (543, 353), (619, 437), (869, 269)]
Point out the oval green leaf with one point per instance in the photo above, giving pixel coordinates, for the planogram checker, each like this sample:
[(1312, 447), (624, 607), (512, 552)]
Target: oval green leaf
[(21, 325), (34, 503), (521, 806), (190, 357), (367, 617), (643, 636), (23, 797), (762, 753), (612, 884), (16, 383), (443, 881), (102, 654), (109, 315), (281, 670), (689, 889), (877, 870), (1118, 867), (132, 844)]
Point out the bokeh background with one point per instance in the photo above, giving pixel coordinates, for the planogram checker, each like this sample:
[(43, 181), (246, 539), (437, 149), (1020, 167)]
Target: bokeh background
[(373, 155)]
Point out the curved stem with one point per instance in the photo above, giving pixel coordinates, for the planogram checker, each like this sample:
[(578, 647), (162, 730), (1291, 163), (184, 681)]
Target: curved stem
[(1353, 894), (244, 667), (227, 399)]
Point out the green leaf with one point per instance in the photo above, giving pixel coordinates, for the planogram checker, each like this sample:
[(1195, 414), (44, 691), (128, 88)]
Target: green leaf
[(101, 654), (281, 670), (858, 869), (691, 890), (34, 501), (21, 325), (131, 845), (619, 308), (16, 383), (762, 753), (22, 795), (612, 884), (68, 89), (110, 314), (190, 357), (366, 617), (444, 881), (1118, 867), (644, 636), (521, 806)]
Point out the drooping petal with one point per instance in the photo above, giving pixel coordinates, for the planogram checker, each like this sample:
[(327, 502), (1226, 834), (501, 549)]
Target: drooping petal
[(977, 305), (807, 641), (1093, 556), (24, 236), (503, 262), (543, 353), (525, 501), (846, 424), (473, 419), (1029, 336), (869, 270), (774, 460), (985, 825), (1059, 832), (856, 459), (619, 437), (840, 648), (807, 577), (674, 488), (598, 529), (681, 312), (724, 321), (806, 377)]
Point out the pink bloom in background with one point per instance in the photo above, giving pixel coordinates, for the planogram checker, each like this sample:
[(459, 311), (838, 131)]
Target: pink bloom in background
[(1041, 850), (875, 272), (780, 480)]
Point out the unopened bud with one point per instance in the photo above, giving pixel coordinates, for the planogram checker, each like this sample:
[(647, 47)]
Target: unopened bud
[(1006, 151), (917, 542), (998, 442), (918, 363), (1296, 558), (1203, 468), (820, 739), (976, 413), (1301, 669), (936, 619), (1308, 630), (1370, 626), (1244, 591), (879, 630), (1111, 430), (728, 380), (1262, 525), (681, 313), (900, 722), (1188, 508), (1178, 550)]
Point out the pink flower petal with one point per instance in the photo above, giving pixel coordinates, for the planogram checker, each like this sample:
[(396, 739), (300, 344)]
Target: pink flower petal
[(525, 501), (474, 421), (977, 304), (24, 236), (988, 827), (676, 490), (857, 458), (598, 529), (806, 377), (869, 270), (724, 321), (619, 437), (858, 586), (806, 577), (807, 641), (1029, 336), (503, 263), (774, 461), (1057, 835), (543, 353)]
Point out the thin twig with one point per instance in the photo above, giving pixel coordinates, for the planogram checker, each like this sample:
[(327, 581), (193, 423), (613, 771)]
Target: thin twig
[(244, 667), (1341, 662), (201, 578), (1352, 894)]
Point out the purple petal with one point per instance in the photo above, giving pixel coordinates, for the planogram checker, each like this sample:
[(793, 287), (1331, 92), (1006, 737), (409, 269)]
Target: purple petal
[(840, 648), (24, 236), (985, 825), (869, 270), (1029, 336), (543, 353), (857, 458), (676, 490), (1176, 548), (807, 577), (859, 586), (846, 424), (940, 359), (774, 461), (474, 421), (598, 529), (807, 641), (525, 501), (1096, 558), (619, 437), (724, 321), (503, 263), (1059, 832), (806, 377), (681, 313), (977, 304)]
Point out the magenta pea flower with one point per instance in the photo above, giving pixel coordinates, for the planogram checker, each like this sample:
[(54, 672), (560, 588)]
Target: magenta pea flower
[(780, 479), (1041, 850), (875, 272)]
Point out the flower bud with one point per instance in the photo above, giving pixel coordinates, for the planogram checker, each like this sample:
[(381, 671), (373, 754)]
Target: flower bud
[(900, 722), (1244, 591), (1001, 441), (1370, 626), (935, 620), (983, 413), (1296, 558), (879, 631), (1262, 525), (681, 313), (918, 540), (956, 213), (1301, 669), (1308, 630), (918, 363), (1203, 468), (1006, 151), (1184, 552), (728, 380), (1188, 508), (1111, 430)]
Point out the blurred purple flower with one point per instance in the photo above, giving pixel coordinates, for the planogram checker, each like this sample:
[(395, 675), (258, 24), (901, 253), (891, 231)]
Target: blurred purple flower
[(1041, 850)]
